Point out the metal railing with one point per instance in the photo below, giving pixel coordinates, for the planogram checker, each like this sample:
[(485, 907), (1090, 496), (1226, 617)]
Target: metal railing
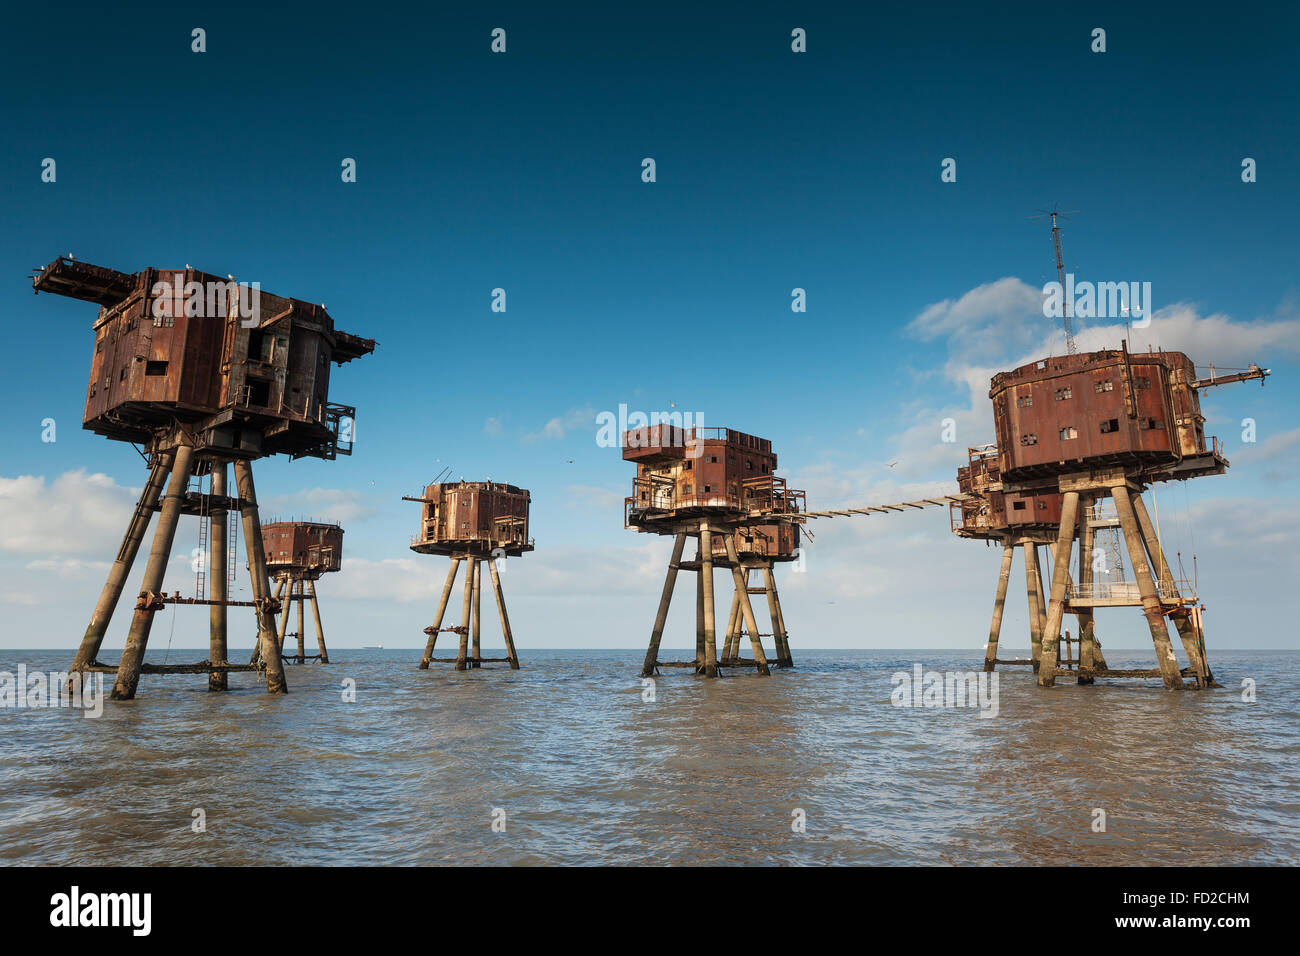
[(504, 541), (763, 494), (1169, 590), (973, 515)]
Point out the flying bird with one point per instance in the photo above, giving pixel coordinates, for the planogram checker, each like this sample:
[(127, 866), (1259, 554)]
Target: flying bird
[(891, 464)]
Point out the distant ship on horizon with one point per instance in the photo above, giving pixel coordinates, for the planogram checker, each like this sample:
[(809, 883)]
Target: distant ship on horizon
[(372, 647)]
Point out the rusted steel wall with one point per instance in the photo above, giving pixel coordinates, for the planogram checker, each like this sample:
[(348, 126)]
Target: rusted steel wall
[(655, 443), (1024, 510), (778, 541), (993, 514), (303, 546), (155, 361), (1070, 412), (697, 468), (474, 512)]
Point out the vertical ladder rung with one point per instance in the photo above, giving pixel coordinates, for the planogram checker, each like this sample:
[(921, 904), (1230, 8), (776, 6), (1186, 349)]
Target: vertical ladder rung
[(232, 552), (205, 525)]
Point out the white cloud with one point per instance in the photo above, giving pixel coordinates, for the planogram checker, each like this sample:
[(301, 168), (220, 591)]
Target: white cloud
[(342, 505), (1000, 325), (592, 498), (1272, 448), (1007, 304), (77, 513), (1213, 338), (70, 567), (559, 427), (392, 579)]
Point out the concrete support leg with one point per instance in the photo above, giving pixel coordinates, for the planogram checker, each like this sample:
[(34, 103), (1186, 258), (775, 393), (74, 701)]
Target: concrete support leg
[(665, 599), (730, 640), (320, 631), (774, 614), (1060, 575), (302, 629), (787, 658), (283, 594), (477, 656), (1042, 594), (706, 578), (467, 603), (1098, 656), (117, 574), (699, 614), (442, 610), (1087, 650), (1087, 629), (218, 588), (278, 595), (1190, 640), (1193, 620), (1088, 575), (128, 672), (261, 584), (511, 654), (1151, 606), (1032, 585), (999, 602), (746, 609)]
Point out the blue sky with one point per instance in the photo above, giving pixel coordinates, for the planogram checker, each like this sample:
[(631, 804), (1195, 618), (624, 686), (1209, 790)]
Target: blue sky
[(775, 170)]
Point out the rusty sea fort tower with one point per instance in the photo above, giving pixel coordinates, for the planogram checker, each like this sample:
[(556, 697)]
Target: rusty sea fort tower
[(201, 387), (718, 486), (297, 554), (1073, 432), (473, 523)]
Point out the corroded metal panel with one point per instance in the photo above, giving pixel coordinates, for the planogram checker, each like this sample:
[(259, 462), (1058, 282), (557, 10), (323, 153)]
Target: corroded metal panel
[(246, 370), (697, 471), (992, 514), (308, 547), (473, 517), (1068, 413), (778, 541)]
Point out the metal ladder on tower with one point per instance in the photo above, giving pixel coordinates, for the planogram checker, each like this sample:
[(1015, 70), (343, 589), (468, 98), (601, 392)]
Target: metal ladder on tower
[(201, 561), (232, 551)]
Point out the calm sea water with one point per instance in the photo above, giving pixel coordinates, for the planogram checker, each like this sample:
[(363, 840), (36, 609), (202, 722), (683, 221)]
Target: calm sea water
[(710, 773)]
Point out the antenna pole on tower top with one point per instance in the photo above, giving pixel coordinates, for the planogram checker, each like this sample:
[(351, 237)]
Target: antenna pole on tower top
[(1066, 307)]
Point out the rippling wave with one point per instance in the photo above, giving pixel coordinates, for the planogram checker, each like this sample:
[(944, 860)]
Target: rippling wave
[(711, 772)]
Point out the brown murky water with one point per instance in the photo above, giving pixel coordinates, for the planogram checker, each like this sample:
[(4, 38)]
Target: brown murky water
[(710, 773)]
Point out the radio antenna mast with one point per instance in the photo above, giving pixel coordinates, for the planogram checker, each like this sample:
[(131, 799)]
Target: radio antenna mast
[(1067, 307)]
